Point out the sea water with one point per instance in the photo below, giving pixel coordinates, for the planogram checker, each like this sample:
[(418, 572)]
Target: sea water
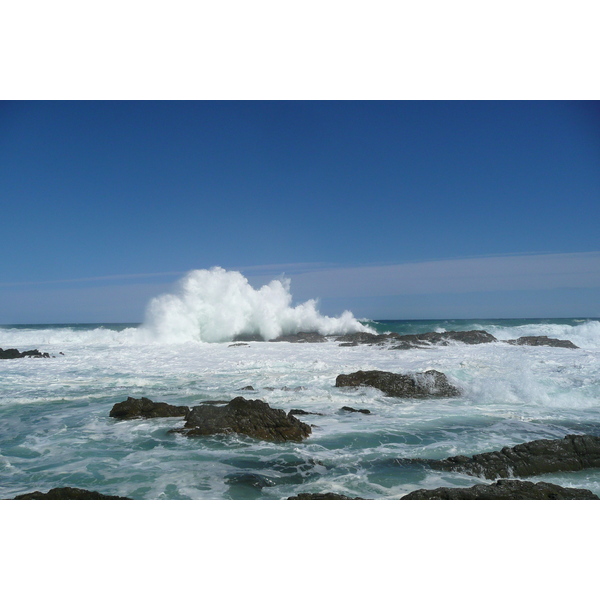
[(55, 430)]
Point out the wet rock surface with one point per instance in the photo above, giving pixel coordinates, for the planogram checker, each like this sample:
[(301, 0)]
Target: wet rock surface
[(10, 353), (327, 496), (299, 411), (143, 408), (254, 418), (418, 340), (542, 340), (572, 453), (504, 489), (430, 384), (68, 493)]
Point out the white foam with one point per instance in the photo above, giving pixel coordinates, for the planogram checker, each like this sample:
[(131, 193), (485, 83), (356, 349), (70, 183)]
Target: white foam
[(216, 305)]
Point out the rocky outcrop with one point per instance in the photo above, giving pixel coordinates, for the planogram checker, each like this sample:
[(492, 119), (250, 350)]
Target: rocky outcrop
[(430, 384), (572, 453), (327, 496), (14, 353), (542, 340), (301, 337), (299, 411), (418, 340), (143, 408), (68, 493), (504, 489), (254, 418)]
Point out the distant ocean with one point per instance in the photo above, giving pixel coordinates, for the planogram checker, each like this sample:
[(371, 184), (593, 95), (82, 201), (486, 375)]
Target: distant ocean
[(55, 430)]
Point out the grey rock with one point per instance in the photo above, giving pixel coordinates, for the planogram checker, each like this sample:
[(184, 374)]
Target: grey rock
[(542, 340), (143, 408), (430, 384)]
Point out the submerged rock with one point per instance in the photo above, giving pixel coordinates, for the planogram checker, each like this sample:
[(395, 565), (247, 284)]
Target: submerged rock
[(299, 411), (143, 408), (504, 489), (542, 340), (327, 496), (430, 384), (364, 411), (254, 418), (14, 353), (572, 453), (68, 493)]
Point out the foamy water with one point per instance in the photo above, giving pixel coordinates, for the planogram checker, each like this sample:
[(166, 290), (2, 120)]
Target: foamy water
[(55, 429)]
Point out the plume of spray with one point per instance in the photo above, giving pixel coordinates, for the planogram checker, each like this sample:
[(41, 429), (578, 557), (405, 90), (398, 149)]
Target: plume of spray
[(216, 305)]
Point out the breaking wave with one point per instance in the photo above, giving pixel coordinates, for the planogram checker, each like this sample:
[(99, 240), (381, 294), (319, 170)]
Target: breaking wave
[(216, 305)]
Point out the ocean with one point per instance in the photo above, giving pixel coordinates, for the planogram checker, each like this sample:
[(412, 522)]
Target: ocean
[(55, 429)]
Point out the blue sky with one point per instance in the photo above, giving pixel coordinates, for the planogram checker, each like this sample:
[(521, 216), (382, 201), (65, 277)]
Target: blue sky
[(399, 209)]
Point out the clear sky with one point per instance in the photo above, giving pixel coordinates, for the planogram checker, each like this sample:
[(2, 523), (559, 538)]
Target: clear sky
[(399, 209)]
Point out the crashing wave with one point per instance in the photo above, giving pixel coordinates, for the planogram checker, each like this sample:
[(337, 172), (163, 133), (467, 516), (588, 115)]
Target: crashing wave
[(217, 305)]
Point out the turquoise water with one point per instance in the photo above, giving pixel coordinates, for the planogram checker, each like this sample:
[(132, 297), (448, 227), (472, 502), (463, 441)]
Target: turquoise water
[(55, 430)]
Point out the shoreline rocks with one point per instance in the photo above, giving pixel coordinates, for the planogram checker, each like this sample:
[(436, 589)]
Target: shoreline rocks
[(68, 493), (143, 408), (430, 384), (253, 418), (504, 489), (572, 453)]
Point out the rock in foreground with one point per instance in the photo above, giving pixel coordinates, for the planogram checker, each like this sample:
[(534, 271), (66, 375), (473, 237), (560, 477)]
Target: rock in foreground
[(327, 496), (430, 384), (254, 418), (542, 340), (572, 453), (504, 489), (68, 493), (14, 353), (143, 408)]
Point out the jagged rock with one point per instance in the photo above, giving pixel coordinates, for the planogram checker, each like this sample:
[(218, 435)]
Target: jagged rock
[(348, 344), (542, 340), (143, 408), (327, 496), (248, 388), (254, 418), (430, 384), (68, 493), (362, 337), (301, 337), (237, 344), (572, 453), (299, 411), (504, 489), (364, 411), (14, 353)]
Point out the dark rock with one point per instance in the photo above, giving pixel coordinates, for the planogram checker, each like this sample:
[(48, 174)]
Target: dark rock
[(299, 411), (365, 411), (143, 408), (237, 344), (365, 338), (504, 489), (572, 453), (298, 388), (348, 344), (327, 496), (248, 388), (254, 418), (301, 337), (430, 384), (14, 353), (68, 493), (542, 340)]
